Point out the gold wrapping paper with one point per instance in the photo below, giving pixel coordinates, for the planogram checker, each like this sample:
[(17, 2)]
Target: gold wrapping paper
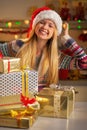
[(25, 122), (15, 103), (56, 102), (9, 64), (10, 102)]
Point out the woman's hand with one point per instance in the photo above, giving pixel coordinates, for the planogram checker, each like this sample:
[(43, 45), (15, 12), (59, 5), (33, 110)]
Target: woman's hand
[(65, 33), (16, 45), (65, 28)]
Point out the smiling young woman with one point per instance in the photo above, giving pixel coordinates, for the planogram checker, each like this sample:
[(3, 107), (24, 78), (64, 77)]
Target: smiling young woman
[(40, 49)]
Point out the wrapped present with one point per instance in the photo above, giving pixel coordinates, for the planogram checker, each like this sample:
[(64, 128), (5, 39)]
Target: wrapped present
[(12, 85), (9, 64), (27, 105), (56, 102), (25, 121), (21, 118)]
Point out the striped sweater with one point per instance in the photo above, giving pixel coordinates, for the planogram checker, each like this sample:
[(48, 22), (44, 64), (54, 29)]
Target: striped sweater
[(75, 57)]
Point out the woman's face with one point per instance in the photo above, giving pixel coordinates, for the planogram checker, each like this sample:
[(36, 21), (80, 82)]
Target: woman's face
[(45, 29)]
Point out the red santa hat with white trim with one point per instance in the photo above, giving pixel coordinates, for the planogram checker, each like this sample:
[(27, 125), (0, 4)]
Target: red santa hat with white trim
[(45, 13)]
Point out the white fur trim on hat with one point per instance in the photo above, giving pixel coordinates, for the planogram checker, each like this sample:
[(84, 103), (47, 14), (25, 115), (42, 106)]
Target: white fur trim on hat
[(52, 15)]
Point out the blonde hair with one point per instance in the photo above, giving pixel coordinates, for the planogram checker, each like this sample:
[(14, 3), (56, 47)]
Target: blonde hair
[(49, 61)]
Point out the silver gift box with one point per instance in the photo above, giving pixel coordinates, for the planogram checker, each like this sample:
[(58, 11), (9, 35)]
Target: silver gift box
[(16, 83)]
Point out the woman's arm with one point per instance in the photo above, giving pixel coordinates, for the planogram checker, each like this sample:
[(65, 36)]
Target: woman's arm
[(10, 48), (77, 58), (4, 49)]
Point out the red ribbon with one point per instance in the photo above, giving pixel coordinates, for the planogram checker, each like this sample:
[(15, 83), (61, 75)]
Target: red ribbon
[(8, 66), (1, 55), (26, 101)]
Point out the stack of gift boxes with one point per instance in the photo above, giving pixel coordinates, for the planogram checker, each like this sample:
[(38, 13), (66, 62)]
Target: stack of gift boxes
[(20, 101), (17, 90)]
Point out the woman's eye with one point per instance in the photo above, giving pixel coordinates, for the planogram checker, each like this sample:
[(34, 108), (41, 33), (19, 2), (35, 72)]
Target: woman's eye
[(41, 22), (51, 26)]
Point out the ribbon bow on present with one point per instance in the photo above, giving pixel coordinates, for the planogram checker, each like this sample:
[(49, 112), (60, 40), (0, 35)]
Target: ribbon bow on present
[(26, 101), (59, 87), (31, 106)]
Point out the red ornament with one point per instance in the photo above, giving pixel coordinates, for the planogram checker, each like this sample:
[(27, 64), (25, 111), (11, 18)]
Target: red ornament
[(79, 14), (65, 12), (83, 37), (63, 74)]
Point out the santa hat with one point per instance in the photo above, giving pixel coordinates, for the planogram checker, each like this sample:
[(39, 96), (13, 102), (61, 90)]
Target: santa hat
[(45, 13)]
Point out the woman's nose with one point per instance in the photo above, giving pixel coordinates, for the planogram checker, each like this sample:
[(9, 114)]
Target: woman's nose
[(45, 26)]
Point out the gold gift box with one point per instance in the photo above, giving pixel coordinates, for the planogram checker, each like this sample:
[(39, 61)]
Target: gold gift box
[(9, 64), (10, 102), (14, 103), (56, 102), (24, 122)]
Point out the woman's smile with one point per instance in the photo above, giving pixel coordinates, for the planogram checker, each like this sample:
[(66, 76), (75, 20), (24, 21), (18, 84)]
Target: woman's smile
[(43, 31)]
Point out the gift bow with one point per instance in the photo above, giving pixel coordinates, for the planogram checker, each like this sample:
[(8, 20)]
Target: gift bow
[(26, 101), (19, 114), (59, 87), (29, 110)]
